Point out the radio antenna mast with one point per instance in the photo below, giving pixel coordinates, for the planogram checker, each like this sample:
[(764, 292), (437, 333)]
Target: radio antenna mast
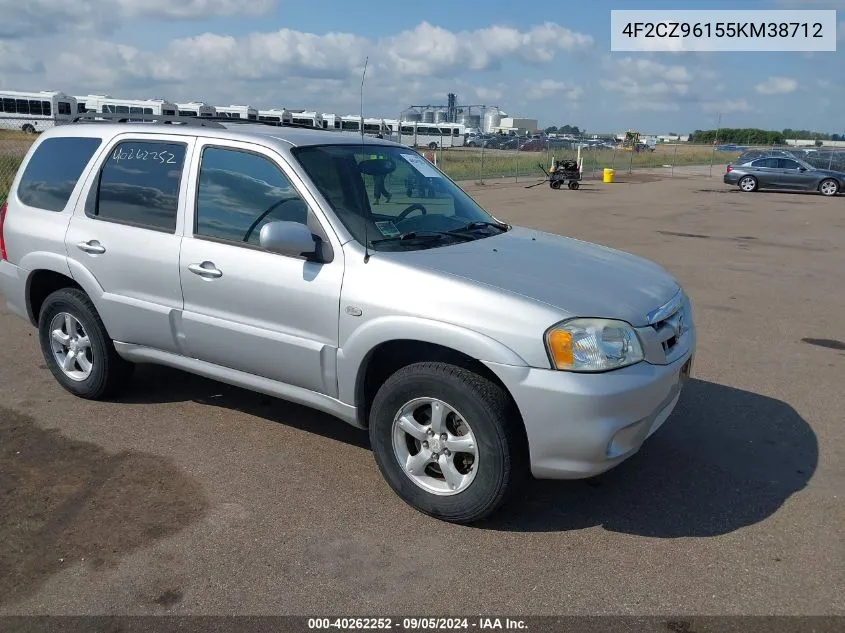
[(363, 184)]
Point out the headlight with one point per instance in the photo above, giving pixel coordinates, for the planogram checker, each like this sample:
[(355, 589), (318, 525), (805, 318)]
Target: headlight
[(593, 345)]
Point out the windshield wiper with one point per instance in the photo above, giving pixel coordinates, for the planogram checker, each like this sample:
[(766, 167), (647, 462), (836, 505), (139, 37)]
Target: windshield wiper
[(417, 235), (479, 225)]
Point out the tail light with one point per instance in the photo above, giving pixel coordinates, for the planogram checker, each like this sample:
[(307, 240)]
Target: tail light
[(730, 168), (2, 236)]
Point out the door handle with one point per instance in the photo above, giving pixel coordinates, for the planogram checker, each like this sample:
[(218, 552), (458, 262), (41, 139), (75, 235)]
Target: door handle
[(206, 269), (91, 246)]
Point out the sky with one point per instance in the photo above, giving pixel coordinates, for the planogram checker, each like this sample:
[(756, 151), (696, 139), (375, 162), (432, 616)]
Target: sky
[(538, 59)]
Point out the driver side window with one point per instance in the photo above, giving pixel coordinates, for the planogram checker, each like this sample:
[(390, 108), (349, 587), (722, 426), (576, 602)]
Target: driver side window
[(239, 192)]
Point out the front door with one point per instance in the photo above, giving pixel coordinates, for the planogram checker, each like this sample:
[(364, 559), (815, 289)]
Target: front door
[(247, 308), (126, 236)]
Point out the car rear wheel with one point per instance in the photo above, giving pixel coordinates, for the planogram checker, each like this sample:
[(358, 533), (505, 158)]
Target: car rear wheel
[(829, 187), (448, 441), (77, 348), (748, 183)]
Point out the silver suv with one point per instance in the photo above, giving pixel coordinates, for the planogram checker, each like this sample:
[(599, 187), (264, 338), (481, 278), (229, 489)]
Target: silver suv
[(352, 276)]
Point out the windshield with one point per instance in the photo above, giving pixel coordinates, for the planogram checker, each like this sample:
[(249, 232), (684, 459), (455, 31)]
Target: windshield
[(394, 199)]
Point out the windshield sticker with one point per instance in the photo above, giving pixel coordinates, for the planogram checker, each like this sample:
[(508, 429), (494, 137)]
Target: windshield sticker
[(422, 165), (387, 228)]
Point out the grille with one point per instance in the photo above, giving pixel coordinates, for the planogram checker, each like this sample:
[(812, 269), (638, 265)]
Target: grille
[(670, 329)]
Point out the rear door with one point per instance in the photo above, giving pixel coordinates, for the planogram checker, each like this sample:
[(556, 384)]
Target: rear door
[(125, 236), (767, 173)]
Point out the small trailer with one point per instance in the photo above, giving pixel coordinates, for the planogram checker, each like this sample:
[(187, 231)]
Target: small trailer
[(564, 172)]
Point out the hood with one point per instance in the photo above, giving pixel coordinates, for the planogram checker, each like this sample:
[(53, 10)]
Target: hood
[(578, 278)]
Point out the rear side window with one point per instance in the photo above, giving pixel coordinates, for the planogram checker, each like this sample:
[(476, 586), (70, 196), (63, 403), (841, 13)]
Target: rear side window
[(766, 162), (139, 185), (54, 170)]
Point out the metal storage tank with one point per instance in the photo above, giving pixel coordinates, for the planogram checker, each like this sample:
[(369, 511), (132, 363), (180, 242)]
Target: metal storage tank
[(472, 121), (492, 118), (412, 117), (428, 116), (441, 116)]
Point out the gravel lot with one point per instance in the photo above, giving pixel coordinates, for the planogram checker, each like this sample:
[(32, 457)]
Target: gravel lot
[(189, 496)]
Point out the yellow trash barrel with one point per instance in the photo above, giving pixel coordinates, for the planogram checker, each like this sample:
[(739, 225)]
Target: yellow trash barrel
[(608, 175)]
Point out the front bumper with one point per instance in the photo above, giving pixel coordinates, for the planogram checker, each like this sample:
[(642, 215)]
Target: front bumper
[(580, 425)]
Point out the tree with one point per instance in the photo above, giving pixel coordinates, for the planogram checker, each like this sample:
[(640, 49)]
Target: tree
[(551, 129), (739, 136), (819, 142)]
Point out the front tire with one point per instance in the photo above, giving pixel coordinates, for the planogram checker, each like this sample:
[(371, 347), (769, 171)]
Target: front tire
[(829, 187), (448, 441), (77, 348), (28, 129), (748, 184)]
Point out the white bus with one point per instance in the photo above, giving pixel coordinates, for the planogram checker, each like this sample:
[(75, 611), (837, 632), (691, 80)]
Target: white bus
[(352, 124), (106, 104), (330, 121), (274, 116), (33, 112), (237, 112), (196, 108), (430, 135), (305, 117)]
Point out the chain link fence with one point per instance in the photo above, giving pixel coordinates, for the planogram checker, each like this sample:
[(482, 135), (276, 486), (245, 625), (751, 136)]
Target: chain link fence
[(522, 158)]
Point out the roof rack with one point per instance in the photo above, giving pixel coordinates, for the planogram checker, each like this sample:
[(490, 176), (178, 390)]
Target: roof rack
[(101, 117), (212, 121)]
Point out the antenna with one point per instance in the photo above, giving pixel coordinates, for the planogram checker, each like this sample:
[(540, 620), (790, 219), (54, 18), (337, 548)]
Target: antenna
[(364, 186)]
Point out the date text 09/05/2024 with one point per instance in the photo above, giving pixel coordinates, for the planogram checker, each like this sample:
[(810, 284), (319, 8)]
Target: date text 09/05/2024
[(416, 624), (724, 29)]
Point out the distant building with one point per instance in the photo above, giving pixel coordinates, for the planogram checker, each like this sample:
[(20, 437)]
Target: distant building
[(514, 125)]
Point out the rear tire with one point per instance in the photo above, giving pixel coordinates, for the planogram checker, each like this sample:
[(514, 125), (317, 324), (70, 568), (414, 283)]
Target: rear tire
[(69, 326), (28, 129), (828, 187), (488, 461), (747, 184), (555, 184), (432, 145)]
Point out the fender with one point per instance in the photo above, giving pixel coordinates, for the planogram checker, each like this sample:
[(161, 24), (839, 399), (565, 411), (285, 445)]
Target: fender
[(390, 328)]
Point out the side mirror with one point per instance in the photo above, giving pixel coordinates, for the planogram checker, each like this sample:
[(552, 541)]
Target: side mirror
[(802, 169), (288, 238)]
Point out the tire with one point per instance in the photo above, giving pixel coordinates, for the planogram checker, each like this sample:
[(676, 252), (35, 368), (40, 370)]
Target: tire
[(432, 145), (500, 463), (828, 187), (574, 185), (750, 184), (555, 184), (28, 129), (107, 372)]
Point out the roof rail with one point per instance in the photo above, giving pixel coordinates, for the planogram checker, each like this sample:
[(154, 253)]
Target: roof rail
[(206, 121), (101, 117)]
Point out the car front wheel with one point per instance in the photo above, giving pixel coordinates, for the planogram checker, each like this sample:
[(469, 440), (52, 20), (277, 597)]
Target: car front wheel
[(448, 441), (829, 187), (748, 183)]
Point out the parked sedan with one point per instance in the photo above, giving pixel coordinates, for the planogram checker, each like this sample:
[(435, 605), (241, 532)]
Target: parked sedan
[(776, 172)]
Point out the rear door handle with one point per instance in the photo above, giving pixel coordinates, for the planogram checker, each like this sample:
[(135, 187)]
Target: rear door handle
[(206, 269), (91, 246)]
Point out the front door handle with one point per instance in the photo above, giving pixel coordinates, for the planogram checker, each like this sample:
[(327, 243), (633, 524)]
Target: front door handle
[(206, 269), (91, 246)]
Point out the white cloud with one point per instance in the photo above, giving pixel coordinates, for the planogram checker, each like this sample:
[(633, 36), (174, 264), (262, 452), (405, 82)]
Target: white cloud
[(726, 106), (432, 50), (776, 86), (14, 59), (28, 18)]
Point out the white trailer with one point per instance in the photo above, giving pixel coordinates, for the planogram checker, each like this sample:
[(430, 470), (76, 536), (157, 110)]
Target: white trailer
[(106, 104), (237, 112), (196, 108), (33, 112)]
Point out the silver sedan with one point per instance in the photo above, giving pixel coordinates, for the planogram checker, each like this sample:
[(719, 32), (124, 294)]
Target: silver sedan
[(778, 172)]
